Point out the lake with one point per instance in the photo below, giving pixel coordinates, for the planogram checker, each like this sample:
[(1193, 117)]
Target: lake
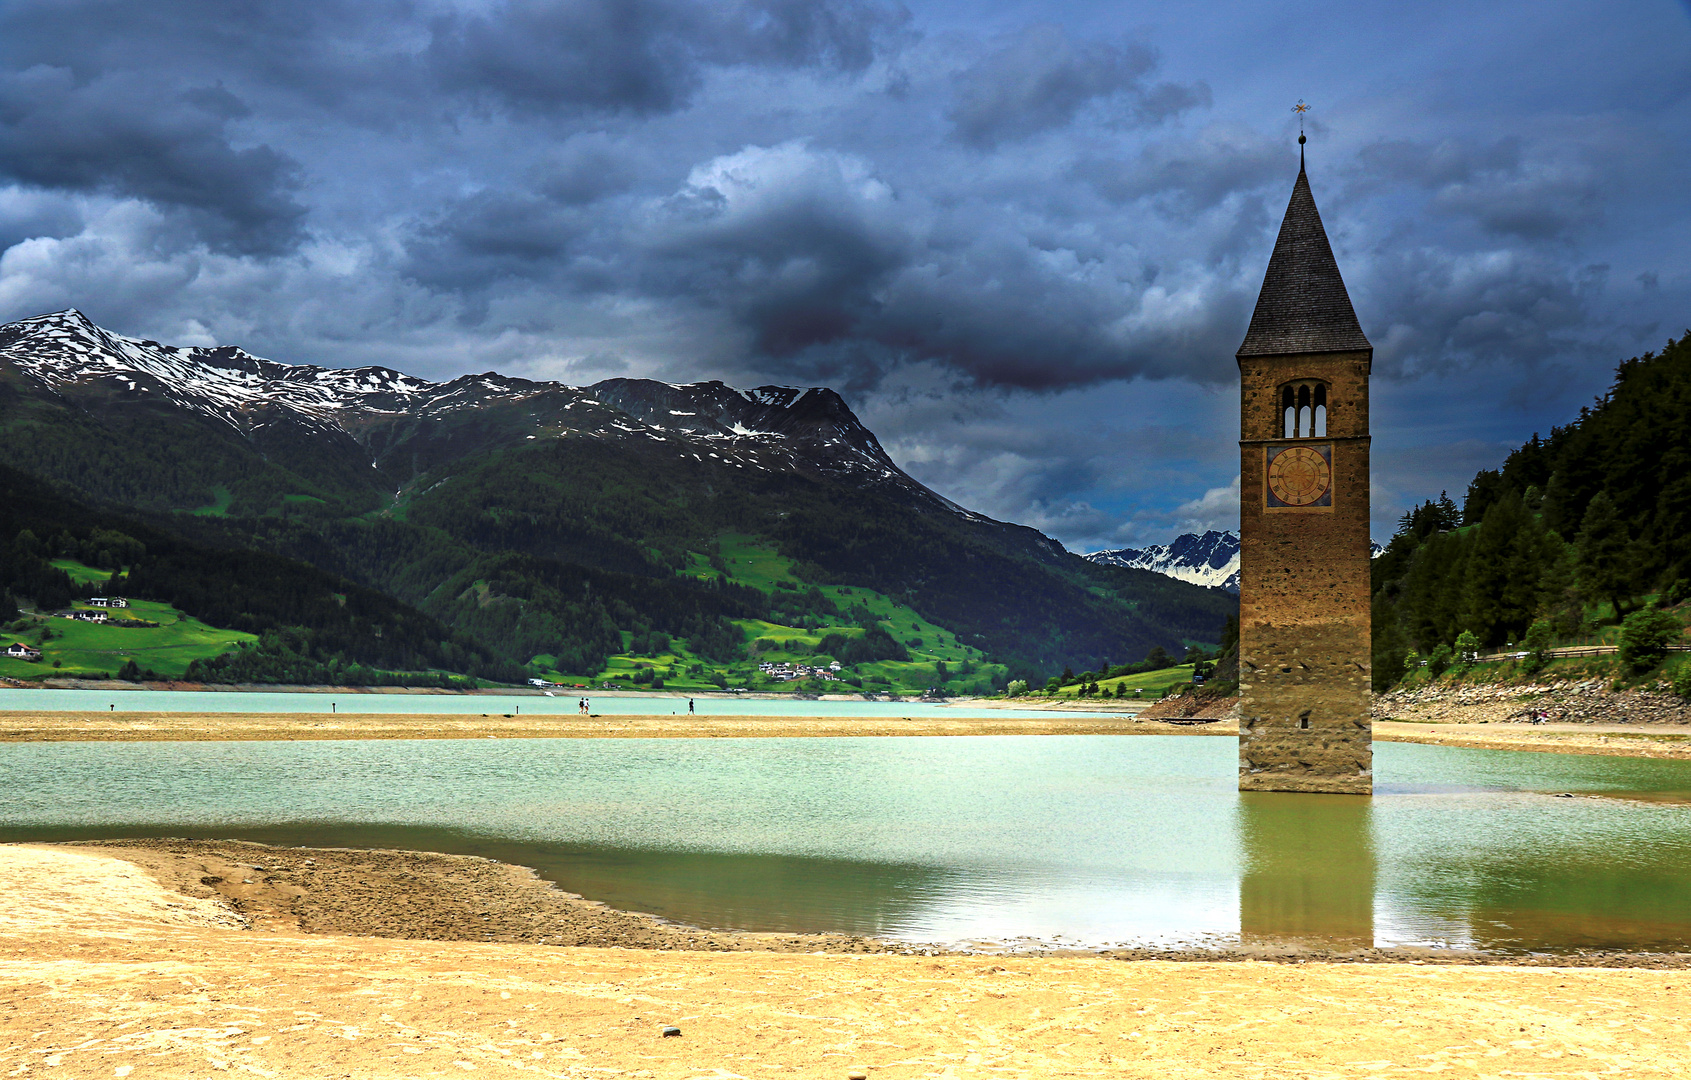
[(1080, 840), (215, 701)]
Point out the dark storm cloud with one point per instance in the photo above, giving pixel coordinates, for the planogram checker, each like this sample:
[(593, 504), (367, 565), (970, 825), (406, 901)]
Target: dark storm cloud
[(1042, 79), (1194, 174), (87, 106), (823, 270), (491, 237), (326, 51), (1442, 310), (968, 199), (124, 135), (1493, 183), (642, 56)]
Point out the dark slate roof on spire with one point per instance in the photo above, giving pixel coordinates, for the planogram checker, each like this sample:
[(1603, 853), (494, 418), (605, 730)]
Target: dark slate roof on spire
[(1303, 306)]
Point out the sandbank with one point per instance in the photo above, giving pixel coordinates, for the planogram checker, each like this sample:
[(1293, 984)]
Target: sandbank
[(1630, 740), (46, 726), (105, 971), (1617, 740)]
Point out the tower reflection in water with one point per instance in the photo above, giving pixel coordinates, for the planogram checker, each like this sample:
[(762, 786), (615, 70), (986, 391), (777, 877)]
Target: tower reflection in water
[(1308, 869)]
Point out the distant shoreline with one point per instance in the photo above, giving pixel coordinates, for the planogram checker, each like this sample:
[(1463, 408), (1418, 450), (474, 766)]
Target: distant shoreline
[(714, 694), (84, 726)]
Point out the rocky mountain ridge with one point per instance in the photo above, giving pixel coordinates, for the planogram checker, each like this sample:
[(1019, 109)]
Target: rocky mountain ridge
[(78, 362), (1210, 559)]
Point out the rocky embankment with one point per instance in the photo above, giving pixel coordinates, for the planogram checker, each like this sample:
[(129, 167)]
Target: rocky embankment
[(1563, 701), (1188, 707)]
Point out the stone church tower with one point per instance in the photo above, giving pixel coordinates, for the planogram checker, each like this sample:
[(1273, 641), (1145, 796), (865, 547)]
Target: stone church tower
[(1304, 537)]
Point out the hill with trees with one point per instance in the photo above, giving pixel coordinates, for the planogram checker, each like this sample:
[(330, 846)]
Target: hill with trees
[(1573, 533), (310, 626)]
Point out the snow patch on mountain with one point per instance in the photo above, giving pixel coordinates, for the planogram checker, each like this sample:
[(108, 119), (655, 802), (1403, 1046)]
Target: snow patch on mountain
[(65, 349), (1210, 559), (766, 428)]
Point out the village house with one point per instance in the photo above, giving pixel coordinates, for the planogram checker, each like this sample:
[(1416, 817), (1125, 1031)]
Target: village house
[(90, 616), (19, 651), (792, 672), (108, 601)]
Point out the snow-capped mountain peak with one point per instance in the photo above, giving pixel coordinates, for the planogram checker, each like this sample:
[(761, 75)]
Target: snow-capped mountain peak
[(1210, 559), (766, 428)]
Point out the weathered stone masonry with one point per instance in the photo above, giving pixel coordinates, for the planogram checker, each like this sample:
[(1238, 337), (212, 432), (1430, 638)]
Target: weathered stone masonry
[(1304, 560)]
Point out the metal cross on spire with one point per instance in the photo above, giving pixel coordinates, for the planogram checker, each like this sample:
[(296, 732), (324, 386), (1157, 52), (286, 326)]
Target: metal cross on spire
[(1300, 108)]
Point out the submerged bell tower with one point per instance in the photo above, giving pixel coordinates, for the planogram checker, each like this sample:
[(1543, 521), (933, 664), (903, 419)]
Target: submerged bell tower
[(1303, 520)]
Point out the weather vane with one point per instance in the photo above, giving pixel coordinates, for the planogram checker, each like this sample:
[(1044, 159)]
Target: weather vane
[(1300, 108)]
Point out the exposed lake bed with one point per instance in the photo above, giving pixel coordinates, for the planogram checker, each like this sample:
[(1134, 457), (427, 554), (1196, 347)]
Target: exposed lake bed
[(109, 973)]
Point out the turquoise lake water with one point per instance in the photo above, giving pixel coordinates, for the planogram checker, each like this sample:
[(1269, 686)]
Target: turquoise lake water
[(12, 700), (1085, 840)]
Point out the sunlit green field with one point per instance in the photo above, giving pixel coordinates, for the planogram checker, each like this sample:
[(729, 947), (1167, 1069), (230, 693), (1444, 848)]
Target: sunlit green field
[(92, 649), (1150, 684), (749, 562)]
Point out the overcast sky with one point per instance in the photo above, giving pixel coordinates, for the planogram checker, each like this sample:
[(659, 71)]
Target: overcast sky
[(1022, 238)]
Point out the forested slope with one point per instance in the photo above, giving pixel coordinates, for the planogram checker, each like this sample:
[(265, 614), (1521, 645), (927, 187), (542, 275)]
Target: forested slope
[(313, 626), (1583, 524)]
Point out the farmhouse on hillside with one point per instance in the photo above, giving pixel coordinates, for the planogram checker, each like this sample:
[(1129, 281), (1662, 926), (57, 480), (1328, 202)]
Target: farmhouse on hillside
[(19, 651), (107, 601)]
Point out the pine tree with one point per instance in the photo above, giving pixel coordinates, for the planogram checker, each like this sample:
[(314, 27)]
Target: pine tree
[(1604, 571)]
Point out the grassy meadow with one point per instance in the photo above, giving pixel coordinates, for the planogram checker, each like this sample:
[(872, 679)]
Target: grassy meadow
[(746, 561), (71, 648), (1149, 684)]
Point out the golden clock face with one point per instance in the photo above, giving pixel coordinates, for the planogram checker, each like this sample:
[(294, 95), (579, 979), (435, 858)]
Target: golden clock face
[(1300, 476)]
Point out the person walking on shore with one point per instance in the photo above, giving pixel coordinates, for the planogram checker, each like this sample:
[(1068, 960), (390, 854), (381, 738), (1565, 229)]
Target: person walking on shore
[(689, 706)]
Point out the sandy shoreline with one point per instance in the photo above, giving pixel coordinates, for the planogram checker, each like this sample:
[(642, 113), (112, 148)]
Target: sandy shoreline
[(1614, 740), (1628, 740), (164, 726), (104, 971)]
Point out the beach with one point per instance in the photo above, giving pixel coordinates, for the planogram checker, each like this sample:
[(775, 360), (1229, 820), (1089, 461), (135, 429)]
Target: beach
[(105, 971), (172, 957), (1656, 740), (50, 726)]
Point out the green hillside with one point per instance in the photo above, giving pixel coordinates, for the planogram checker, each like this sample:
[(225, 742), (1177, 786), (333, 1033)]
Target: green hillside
[(154, 636), (222, 614), (1575, 535), (565, 551), (806, 625)]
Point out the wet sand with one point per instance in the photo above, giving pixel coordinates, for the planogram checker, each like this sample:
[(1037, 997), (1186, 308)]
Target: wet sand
[(1631, 740), (173, 727), (1619, 740), (421, 895), (104, 972)]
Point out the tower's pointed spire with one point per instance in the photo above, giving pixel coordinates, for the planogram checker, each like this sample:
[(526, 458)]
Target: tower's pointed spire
[(1303, 306)]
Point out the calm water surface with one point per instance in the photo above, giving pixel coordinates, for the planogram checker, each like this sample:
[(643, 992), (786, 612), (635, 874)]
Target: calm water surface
[(563, 703), (1090, 840)]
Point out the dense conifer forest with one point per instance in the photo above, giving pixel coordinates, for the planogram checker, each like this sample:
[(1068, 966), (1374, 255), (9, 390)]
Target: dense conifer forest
[(1590, 524)]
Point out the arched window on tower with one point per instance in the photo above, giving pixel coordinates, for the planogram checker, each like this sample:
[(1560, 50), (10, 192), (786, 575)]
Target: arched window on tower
[(1303, 409)]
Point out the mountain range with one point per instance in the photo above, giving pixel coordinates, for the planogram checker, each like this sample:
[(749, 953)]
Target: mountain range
[(1210, 559), (562, 525)]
